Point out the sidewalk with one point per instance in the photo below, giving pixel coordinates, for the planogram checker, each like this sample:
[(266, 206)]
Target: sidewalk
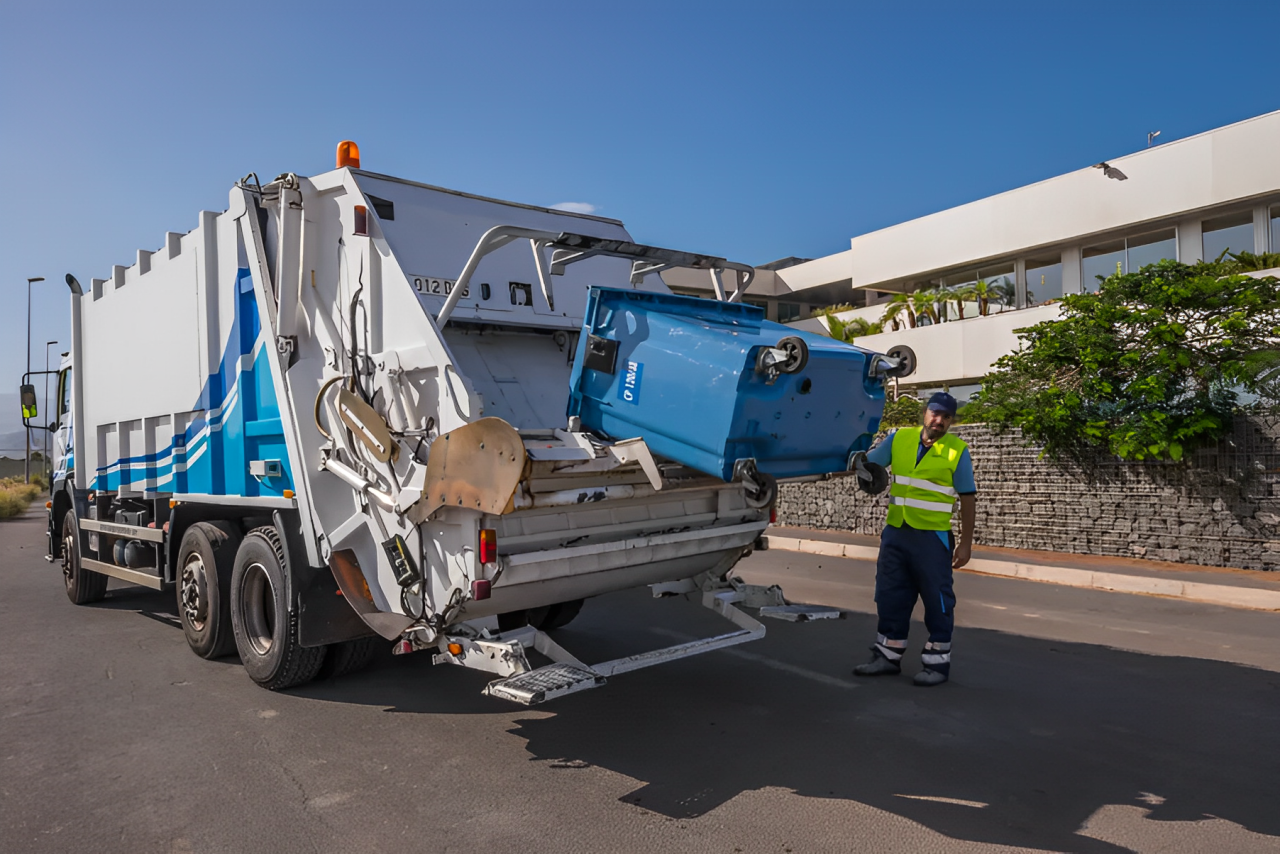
[(1233, 588)]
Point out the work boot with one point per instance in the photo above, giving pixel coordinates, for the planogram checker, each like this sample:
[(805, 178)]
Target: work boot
[(928, 678), (877, 666)]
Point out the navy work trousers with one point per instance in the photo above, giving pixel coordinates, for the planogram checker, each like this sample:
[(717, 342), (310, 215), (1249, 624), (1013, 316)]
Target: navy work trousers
[(915, 563)]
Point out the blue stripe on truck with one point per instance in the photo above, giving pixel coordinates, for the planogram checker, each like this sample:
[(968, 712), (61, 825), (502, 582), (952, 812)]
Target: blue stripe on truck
[(239, 421)]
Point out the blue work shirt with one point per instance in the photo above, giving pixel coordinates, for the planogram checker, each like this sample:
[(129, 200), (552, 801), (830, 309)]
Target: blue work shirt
[(962, 479)]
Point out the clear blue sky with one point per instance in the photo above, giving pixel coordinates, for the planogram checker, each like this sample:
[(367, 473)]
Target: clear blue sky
[(746, 129)]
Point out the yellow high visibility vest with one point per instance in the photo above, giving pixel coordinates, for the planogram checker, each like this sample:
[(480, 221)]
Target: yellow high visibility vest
[(923, 494)]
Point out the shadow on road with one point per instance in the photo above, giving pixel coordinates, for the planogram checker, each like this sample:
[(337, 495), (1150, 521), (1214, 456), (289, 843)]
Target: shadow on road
[(1029, 740)]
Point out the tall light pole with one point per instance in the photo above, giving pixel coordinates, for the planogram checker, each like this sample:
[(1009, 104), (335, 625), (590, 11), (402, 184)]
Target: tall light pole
[(27, 467), (47, 466)]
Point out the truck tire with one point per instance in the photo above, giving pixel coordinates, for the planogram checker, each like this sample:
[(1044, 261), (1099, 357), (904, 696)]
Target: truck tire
[(83, 585), (561, 615), (266, 632), (350, 656), (205, 561)]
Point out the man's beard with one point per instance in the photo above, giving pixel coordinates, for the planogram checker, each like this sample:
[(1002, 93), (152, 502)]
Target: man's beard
[(933, 434)]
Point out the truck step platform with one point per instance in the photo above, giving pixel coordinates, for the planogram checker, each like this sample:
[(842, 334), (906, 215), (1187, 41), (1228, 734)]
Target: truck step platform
[(801, 613), (546, 683)]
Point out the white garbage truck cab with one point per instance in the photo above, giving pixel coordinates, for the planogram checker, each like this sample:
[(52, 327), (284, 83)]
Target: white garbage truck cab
[(332, 419)]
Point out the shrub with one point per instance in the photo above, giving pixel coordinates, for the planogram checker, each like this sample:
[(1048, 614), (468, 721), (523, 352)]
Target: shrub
[(906, 411), (1146, 368), (14, 497)]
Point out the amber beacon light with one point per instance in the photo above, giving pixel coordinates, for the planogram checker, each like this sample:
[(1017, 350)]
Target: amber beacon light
[(348, 154)]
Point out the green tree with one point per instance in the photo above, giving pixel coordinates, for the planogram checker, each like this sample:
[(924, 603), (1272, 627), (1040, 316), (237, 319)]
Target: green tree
[(899, 305), (962, 294), (1002, 291), (1248, 261), (903, 412), (925, 303), (1147, 367), (848, 330)]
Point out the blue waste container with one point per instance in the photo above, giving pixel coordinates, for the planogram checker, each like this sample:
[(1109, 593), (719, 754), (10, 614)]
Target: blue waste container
[(696, 379)]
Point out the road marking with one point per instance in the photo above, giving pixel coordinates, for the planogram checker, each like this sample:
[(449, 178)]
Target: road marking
[(942, 800), (812, 675)]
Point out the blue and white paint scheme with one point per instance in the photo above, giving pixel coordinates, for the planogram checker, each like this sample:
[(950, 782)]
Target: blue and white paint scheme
[(237, 419)]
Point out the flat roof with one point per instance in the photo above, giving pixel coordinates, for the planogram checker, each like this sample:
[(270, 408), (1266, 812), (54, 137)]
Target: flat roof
[(1234, 163)]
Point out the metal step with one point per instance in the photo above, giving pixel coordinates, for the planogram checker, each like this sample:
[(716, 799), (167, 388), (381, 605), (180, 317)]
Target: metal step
[(801, 613), (545, 683)]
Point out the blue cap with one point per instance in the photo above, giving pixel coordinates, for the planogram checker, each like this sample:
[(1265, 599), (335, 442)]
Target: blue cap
[(943, 402)]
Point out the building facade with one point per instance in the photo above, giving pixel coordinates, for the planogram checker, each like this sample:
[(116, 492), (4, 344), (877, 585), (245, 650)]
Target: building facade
[(1187, 199)]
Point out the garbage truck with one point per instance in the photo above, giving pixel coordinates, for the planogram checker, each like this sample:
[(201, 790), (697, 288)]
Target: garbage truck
[(353, 411)]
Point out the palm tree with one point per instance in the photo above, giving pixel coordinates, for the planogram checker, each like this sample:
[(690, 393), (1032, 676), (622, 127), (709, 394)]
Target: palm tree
[(982, 293), (925, 303), (1003, 291), (900, 304), (962, 294), (848, 330)]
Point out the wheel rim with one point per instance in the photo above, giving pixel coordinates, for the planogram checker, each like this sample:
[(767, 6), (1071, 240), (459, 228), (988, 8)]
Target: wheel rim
[(259, 608), (195, 598), (68, 562)]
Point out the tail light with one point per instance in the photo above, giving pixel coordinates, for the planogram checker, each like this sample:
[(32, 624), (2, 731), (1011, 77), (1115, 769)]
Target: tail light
[(481, 588), (488, 545), (773, 515)]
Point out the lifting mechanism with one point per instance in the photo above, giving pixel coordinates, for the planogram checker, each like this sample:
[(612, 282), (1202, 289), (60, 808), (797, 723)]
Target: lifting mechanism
[(499, 472)]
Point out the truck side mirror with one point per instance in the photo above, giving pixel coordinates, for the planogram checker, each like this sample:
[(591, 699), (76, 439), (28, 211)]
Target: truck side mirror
[(28, 394)]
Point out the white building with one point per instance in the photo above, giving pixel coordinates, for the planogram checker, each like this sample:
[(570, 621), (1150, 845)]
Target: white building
[(1188, 199)]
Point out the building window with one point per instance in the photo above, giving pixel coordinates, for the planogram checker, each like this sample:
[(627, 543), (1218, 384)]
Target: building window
[(1002, 293), (1275, 229), (1228, 234), (1149, 248), (788, 311), (1125, 256), (1044, 279), (1099, 262)]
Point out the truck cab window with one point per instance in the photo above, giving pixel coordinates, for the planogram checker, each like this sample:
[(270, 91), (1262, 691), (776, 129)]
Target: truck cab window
[(64, 398)]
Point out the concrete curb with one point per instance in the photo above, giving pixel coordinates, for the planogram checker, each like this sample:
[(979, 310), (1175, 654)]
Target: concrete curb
[(1252, 598)]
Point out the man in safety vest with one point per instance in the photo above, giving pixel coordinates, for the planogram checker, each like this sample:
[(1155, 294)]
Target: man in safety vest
[(931, 470)]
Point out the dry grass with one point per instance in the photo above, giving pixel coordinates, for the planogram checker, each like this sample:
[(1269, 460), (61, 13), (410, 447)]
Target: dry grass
[(15, 496)]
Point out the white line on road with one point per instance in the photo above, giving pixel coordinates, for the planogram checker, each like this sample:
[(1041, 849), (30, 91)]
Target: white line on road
[(766, 661), (942, 800)]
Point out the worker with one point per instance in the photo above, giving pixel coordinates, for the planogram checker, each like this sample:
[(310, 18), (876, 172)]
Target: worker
[(931, 469)]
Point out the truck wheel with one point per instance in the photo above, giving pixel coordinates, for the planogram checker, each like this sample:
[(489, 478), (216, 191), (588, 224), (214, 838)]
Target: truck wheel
[(83, 585), (350, 656), (266, 633), (561, 615), (205, 561), (513, 620)]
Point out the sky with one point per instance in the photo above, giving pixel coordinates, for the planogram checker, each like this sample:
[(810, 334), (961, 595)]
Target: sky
[(745, 129)]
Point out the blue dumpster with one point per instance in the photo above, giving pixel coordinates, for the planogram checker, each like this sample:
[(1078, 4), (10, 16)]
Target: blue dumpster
[(709, 383)]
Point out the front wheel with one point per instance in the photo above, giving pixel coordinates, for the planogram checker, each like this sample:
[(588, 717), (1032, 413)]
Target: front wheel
[(83, 585), (266, 632)]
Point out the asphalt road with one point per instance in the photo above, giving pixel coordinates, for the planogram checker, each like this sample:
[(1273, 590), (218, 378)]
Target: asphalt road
[(1076, 720)]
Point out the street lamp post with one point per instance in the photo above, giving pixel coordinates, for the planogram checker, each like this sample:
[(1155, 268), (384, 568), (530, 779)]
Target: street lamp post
[(27, 461), (47, 469)]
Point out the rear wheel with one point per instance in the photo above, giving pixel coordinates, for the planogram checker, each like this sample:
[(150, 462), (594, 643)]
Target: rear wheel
[(206, 559), (83, 585), (561, 615), (266, 632), (350, 656)]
